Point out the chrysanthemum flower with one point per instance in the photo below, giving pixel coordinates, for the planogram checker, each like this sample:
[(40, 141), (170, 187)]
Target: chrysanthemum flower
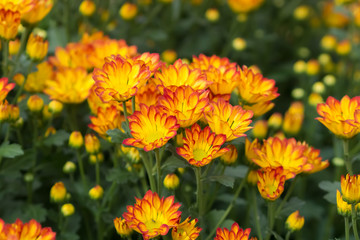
[(106, 119), (29, 230), (9, 22), (38, 12), (295, 222), (58, 192), (22, 6), (180, 74), (343, 208), (350, 188), (171, 181), (235, 233), (332, 17), (4, 111), (152, 216), (95, 102), (148, 95), (120, 78), (285, 153), (271, 182), (314, 159), (231, 156), (341, 117), (36, 47), (5, 88), (244, 6), (293, 118), (186, 230), (223, 74), (233, 121), (259, 108), (201, 146), (121, 227), (92, 144), (152, 60), (151, 128), (186, 104)]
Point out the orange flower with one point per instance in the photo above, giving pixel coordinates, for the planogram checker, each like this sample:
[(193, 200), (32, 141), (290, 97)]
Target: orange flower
[(148, 95), (95, 102), (71, 85), (295, 222), (332, 17), (343, 208), (186, 104), (201, 146), (186, 230), (293, 118), (233, 121), (152, 60), (341, 118), (314, 159), (38, 12), (223, 74), (9, 22), (180, 74), (271, 183), (285, 153), (250, 147), (121, 227), (5, 88), (231, 156), (152, 216), (22, 6), (36, 47), (350, 188), (244, 6), (92, 144), (120, 78), (259, 108), (235, 233), (29, 230), (106, 119), (151, 128)]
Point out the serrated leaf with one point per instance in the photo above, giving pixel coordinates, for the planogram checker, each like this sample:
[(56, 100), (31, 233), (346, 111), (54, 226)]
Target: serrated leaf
[(36, 212), (292, 205), (10, 150), (23, 162), (57, 139), (238, 171), (227, 181), (330, 188), (172, 163), (120, 176), (116, 135)]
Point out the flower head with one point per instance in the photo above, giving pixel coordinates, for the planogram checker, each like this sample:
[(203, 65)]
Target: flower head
[(233, 121), (38, 12), (36, 47), (58, 192), (151, 128), (87, 8), (341, 117), (235, 233), (293, 118), (9, 23), (106, 119), (171, 181), (314, 160), (5, 88), (128, 11), (186, 230), (230, 156), (152, 216), (343, 208), (350, 188), (96, 192), (76, 139), (121, 227), (295, 222), (92, 144), (201, 146), (271, 183)]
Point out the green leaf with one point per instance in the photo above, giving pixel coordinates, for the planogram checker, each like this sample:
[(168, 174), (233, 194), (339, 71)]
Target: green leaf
[(238, 171), (117, 136), (227, 181), (36, 212), (57, 139), (173, 162), (330, 189), (120, 176), (292, 205), (10, 150), (23, 162)]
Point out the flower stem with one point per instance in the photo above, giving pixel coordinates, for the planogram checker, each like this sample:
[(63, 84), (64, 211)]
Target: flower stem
[(271, 218), (158, 168), (354, 225), (5, 60), (347, 228), (24, 37), (346, 156), (288, 194), (148, 168), (133, 106), (97, 169), (256, 214), (81, 169), (199, 192), (125, 113), (287, 237)]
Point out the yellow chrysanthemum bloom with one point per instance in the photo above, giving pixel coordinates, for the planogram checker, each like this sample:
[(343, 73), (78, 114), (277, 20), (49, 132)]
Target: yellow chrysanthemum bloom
[(120, 78), (96, 192), (244, 6), (343, 48), (35, 103), (22, 6), (171, 181), (223, 74), (58, 192), (128, 11), (9, 23), (152, 216), (5, 88), (180, 74), (186, 230), (169, 56), (341, 117), (234, 233), (271, 182), (148, 95), (95, 102), (295, 222), (260, 129), (122, 228), (314, 159), (285, 153), (106, 119), (230, 156), (70, 85), (76, 139), (152, 60), (29, 230), (4, 111), (186, 104), (92, 143), (151, 128), (293, 118), (275, 120), (343, 208), (38, 12), (87, 8), (350, 188), (233, 121), (328, 42), (14, 47), (332, 17), (250, 147), (67, 209), (201, 146), (36, 47)]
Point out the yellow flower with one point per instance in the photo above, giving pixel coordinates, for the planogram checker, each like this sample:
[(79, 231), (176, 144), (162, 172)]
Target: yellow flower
[(341, 117), (244, 6), (230, 156), (233, 121), (69, 86), (332, 17), (186, 230), (343, 208), (328, 42), (350, 188), (96, 192), (312, 67), (294, 222), (122, 228), (151, 128), (252, 177), (201, 146), (314, 159), (148, 95), (171, 181), (36, 47), (275, 120), (87, 8), (285, 153), (212, 14), (152, 216), (343, 48), (5, 88), (49, 131), (169, 56), (29, 230), (120, 78), (14, 47), (186, 104), (92, 143), (293, 118), (239, 44), (250, 147), (9, 23), (22, 6), (69, 167), (271, 182), (235, 233), (35, 103), (260, 129), (302, 12), (97, 157), (58, 192), (76, 140), (106, 119), (128, 11), (55, 107), (40, 9), (67, 209), (4, 111)]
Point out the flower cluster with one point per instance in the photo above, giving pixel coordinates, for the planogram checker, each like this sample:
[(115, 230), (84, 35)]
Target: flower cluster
[(29, 230)]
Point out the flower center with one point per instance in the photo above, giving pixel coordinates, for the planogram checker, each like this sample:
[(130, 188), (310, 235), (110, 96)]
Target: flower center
[(151, 224), (199, 154)]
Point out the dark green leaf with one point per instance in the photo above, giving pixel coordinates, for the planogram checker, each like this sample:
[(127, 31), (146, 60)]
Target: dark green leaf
[(330, 189), (36, 212), (57, 139), (117, 136), (224, 180), (10, 150), (172, 163), (120, 176), (238, 171), (292, 205)]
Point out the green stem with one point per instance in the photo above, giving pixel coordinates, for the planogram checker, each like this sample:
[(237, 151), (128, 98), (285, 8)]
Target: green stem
[(5, 60), (227, 211), (23, 41), (148, 168), (29, 191), (199, 193), (353, 218), (158, 169), (271, 218), (81, 169), (288, 194), (125, 113), (133, 105), (99, 223), (256, 214), (347, 228), (97, 170), (346, 156), (287, 237)]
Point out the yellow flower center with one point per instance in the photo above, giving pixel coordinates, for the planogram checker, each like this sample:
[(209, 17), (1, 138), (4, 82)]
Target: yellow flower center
[(272, 189), (154, 135), (199, 154), (151, 224)]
